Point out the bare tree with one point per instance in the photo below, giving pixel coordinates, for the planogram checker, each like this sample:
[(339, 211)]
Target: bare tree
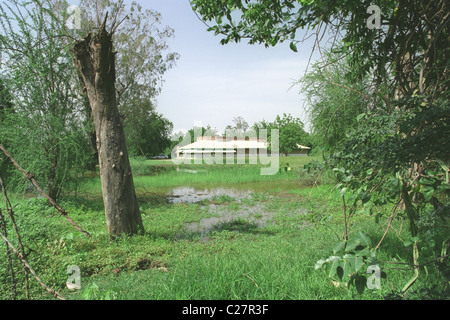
[(95, 60), (142, 59), (240, 125)]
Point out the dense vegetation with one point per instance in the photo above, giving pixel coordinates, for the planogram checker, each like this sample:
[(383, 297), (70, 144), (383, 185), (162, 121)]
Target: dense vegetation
[(379, 103), (279, 229), (366, 217)]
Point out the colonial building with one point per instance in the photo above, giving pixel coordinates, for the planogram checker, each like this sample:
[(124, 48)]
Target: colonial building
[(236, 146), (216, 145)]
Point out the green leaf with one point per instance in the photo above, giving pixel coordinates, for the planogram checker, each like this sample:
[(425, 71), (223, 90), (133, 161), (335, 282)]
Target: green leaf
[(342, 170), (363, 253), (427, 192), (342, 192), (334, 265), (360, 239), (411, 241), (293, 47), (347, 266), (339, 246), (355, 261), (319, 264), (347, 178), (428, 181), (364, 239), (359, 262)]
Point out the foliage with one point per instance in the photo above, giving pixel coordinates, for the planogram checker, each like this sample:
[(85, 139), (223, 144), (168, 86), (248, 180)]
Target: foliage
[(148, 133), (399, 146), (141, 44), (239, 128), (197, 132), (356, 253), (396, 149), (142, 60), (409, 171), (291, 132), (371, 50), (47, 122), (170, 261), (5, 100), (332, 108), (92, 292), (42, 128)]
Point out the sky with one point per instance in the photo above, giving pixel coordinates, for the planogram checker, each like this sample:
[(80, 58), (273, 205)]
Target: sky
[(212, 83)]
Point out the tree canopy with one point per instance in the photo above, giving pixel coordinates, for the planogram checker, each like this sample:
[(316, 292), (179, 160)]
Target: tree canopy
[(411, 41), (290, 129)]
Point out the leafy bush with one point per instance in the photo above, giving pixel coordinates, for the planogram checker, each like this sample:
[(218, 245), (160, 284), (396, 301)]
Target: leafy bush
[(348, 266)]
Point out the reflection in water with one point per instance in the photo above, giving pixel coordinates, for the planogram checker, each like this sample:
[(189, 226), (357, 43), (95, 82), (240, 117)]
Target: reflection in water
[(190, 195), (245, 219), (253, 216)]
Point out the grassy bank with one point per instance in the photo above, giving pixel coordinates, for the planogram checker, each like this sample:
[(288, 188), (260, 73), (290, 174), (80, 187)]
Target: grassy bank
[(267, 251), (156, 174)]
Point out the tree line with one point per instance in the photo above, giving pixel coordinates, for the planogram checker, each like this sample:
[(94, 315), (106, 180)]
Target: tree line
[(291, 132)]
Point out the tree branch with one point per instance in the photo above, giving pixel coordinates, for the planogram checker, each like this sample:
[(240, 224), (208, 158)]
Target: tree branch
[(24, 261), (30, 177)]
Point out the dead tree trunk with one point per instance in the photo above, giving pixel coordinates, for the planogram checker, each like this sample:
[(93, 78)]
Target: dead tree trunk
[(95, 60)]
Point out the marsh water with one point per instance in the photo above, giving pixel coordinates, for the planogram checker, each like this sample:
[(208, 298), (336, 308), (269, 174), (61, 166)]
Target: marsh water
[(192, 194), (213, 198), (243, 217), (226, 205)]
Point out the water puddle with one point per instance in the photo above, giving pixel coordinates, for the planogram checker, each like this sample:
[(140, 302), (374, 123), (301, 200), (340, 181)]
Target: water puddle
[(188, 194), (249, 219), (192, 195), (245, 218), (178, 169)]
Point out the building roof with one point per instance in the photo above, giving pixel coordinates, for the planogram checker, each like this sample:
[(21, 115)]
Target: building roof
[(225, 145), (221, 143)]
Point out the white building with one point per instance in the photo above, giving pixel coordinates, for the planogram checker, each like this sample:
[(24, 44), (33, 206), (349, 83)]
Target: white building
[(215, 145)]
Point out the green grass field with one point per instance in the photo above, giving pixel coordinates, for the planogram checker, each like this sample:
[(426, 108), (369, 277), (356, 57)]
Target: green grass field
[(262, 246)]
